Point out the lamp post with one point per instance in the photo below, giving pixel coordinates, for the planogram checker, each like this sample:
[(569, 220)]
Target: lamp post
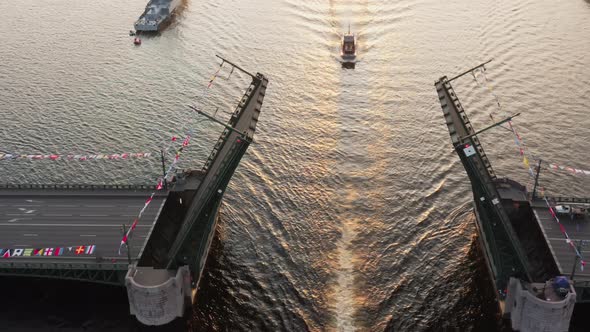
[(163, 170), (581, 243), (537, 179), (127, 244)]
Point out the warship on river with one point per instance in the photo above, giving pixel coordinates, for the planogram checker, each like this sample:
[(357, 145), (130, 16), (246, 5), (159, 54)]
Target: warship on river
[(531, 243), (157, 12)]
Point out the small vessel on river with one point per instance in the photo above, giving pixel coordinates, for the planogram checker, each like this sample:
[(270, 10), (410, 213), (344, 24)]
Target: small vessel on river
[(348, 48), (156, 13)]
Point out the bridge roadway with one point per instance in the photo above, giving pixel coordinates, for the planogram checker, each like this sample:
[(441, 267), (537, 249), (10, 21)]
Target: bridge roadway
[(577, 229), (73, 218)]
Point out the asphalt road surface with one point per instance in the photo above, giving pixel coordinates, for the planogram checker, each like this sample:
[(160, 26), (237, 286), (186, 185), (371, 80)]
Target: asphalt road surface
[(39, 220)]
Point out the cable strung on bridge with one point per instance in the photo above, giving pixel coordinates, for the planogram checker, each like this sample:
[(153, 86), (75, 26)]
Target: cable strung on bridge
[(79, 157), (159, 187), (172, 168), (520, 144)]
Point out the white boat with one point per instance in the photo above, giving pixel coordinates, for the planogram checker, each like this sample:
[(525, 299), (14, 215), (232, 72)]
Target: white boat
[(156, 13)]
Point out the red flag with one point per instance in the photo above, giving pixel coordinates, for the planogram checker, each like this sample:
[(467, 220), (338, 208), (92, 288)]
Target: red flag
[(173, 138), (133, 225), (79, 250)]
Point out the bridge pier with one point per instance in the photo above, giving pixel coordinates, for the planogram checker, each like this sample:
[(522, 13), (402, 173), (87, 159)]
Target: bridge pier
[(537, 307), (158, 296)]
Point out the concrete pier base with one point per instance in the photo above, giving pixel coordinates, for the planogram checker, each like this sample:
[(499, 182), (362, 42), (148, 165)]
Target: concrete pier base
[(536, 307), (156, 296)]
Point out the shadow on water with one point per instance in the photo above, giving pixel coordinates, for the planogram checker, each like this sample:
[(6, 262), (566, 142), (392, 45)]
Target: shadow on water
[(348, 65), (476, 309), (225, 301), (34, 304)]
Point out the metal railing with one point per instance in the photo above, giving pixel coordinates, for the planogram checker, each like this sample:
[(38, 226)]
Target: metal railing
[(562, 199), (77, 186)]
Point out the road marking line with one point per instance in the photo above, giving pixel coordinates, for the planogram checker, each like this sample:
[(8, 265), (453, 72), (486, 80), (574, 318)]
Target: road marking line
[(99, 206), (88, 235), (56, 215), (94, 215), (13, 220), (30, 234), (65, 205), (14, 214)]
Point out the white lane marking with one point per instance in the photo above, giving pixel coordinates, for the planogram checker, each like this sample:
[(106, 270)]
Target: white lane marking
[(14, 214), (71, 225), (65, 205), (94, 215), (26, 205), (26, 211), (13, 220), (29, 200), (88, 235), (57, 215), (91, 206), (30, 234)]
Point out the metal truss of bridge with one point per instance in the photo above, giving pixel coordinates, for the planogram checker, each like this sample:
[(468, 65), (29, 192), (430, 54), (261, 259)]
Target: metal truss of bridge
[(73, 232)]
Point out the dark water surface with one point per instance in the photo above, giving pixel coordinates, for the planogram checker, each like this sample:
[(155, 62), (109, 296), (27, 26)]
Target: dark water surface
[(351, 212)]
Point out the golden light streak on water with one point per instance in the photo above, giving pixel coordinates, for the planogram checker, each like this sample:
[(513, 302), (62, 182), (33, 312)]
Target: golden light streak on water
[(344, 294)]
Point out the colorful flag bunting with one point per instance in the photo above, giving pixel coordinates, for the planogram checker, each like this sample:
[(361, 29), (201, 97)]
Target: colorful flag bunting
[(572, 170), (521, 148), (79, 157), (79, 250), (89, 249), (59, 251)]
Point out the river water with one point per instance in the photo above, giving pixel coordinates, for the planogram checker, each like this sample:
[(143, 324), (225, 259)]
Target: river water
[(351, 211)]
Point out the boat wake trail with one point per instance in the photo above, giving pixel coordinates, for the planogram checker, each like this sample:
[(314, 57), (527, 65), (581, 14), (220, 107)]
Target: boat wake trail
[(343, 292)]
